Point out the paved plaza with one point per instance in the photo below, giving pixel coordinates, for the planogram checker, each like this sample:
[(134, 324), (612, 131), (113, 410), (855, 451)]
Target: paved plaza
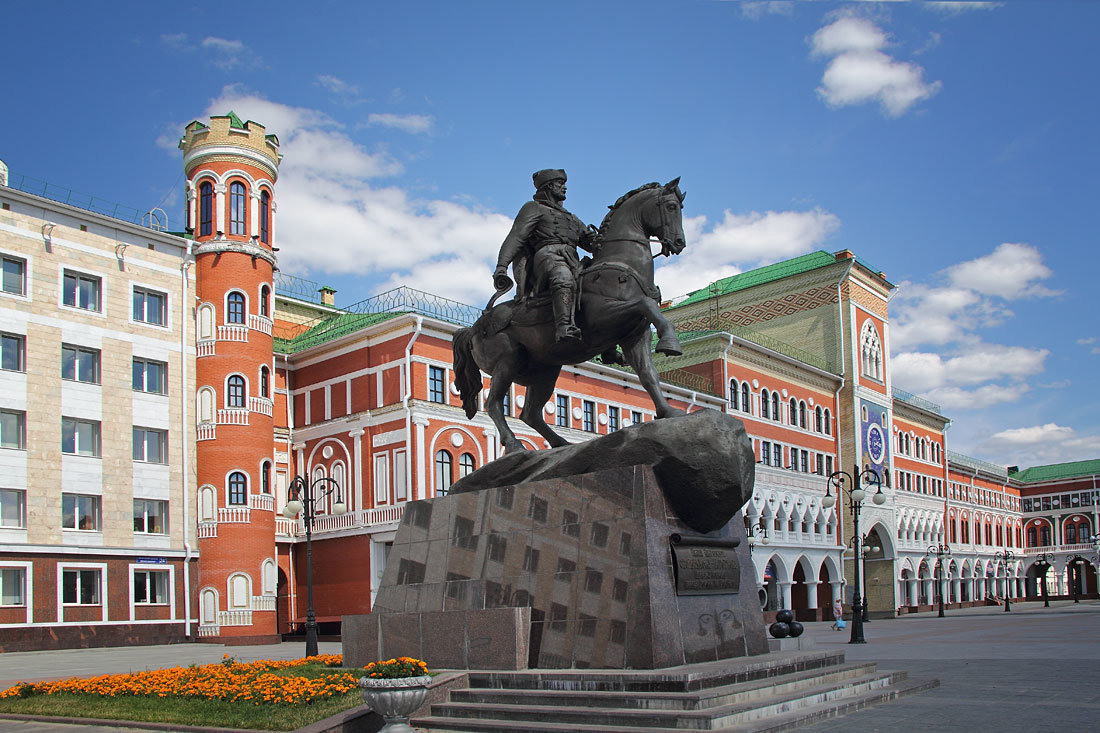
[(1030, 670)]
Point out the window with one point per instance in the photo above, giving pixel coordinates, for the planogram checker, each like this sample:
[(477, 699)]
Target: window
[(777, 456), (766, 453), (733, 394), (466, 465), (265, 216), (151, 587), (818, 427), (765, 403), (265, 476), (1071, 534), (530, 559), (13, 587), (80, 587), (13, 429), (150, 516), (265, 382), (593, 580), (436, 385), (624, 543), (820, 469), (612, 418), (870, 351), (463, 534), (80, 511), (13, 352), (589, 416), (150, 376), (13, 508), (150, 446), (265, 301), (235, 391), (793, 407), (444, 473), (79, 437), (570, 526), (498, 546), (562, 413), (746, 404), (828, 465), (775, 406), (598, 536), (238, 488), (206, 209), (234, 307), (805, 461), (828, 423), (80, 291), (236, 208), (14, 275), (802, 415), (79, 364), (635, 417), (537, 509), (150, 306)]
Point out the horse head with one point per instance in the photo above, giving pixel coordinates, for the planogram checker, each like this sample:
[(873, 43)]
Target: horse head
[(663, 218)]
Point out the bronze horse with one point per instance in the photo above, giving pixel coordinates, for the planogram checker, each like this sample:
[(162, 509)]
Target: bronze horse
[(514, 342)]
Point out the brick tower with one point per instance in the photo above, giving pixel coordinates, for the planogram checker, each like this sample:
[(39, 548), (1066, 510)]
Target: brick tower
[(231, 168)]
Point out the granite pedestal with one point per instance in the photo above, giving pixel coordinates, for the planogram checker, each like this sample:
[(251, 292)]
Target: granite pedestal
[(586, 571)]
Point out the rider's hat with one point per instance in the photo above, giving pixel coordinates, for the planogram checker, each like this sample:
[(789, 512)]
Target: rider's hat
[(543, 177)]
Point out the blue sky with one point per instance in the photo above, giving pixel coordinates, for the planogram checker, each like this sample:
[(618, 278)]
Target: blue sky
[(952, 145)]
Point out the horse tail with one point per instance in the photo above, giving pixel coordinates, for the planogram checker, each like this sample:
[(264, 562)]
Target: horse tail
[(467, 374)]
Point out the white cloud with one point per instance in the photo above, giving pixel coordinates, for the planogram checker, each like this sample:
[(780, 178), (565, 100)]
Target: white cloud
[(334, 219), (956, 7), (861, 72), (1086, 341), (756, 9), (980, 362), (1040, 445), (175, 40), (1010, 271), (337, 86), (408, 123), (752, 239), (229, 54), (956, 398)]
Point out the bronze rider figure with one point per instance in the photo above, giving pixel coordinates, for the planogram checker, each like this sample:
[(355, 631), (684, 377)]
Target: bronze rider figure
[(544, 238)]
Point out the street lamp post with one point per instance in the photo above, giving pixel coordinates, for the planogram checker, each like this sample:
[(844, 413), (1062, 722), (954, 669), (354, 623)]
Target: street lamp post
[(856, 495), (1007, 557), (868, 539), (302, 496), (940, 551), (1045, 559), (756, 531)]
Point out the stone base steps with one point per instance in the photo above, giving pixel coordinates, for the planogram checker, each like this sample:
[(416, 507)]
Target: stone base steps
[(770, 693)]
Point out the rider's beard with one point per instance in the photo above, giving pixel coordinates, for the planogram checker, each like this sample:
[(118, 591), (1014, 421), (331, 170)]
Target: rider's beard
[(546, 193)]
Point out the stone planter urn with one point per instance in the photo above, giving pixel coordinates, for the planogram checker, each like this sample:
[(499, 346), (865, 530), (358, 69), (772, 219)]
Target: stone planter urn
[(395, 699)]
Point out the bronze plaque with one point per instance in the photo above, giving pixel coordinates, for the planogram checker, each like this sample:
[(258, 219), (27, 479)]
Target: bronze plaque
[(705, 566)]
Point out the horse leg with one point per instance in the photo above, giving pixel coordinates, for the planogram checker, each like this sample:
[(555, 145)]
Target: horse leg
[(638, 356), (667, 342), (504, 372), (539, 392)]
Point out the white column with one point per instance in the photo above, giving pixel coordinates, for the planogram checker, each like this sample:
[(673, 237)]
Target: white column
[(357, 469), (420, 491), (914, 593), (254, 212), (300, 468), (956, 589), (837, 589), (492, 442), (785, 594), (219, 207), (811, 594), (191, 198)]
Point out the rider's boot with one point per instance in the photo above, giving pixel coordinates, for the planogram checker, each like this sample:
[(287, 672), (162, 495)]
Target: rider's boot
[(564, 328)]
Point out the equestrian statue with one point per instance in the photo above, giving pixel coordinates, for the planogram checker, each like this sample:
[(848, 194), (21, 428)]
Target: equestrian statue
[(567, 311)]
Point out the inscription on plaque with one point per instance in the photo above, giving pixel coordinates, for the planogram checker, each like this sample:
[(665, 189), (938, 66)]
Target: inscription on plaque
[(705, 566)]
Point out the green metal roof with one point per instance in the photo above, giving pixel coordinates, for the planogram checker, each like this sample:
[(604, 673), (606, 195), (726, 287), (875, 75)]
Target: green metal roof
[(235, 121), (1056, 471), (329, 329), (760, 275)]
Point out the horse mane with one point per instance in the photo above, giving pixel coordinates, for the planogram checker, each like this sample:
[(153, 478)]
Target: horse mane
[(622, 200)]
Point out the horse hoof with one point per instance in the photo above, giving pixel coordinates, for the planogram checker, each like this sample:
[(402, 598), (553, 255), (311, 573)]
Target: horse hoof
[(669, 346)]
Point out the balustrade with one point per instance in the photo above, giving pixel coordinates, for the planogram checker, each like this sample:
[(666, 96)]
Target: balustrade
[(207, 431), (233, 514), (205, 348), (265, 502), (261, 405), (259, 323), (235, 618), (233, 416), (208, 529), (233, 333)]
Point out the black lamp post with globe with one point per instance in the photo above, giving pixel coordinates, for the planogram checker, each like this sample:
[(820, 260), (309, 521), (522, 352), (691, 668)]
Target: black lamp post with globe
[(940, 551), (302, 496), (856, 495), (1007, 556), (1044, 559)]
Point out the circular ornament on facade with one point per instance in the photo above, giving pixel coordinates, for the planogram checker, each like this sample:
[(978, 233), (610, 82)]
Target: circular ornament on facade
[(549, 409), (577, 413), (327, 452), (876, 443), (756, 384), (811, 402), (456, 439), (602, 419), (784, 393)]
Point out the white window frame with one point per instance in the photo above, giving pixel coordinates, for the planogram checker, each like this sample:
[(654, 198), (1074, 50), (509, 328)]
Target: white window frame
[(26, 294), (145, 375), (400, 476), (101, 310), (381, 479), (135, 288), (225, 308), (231, 605), (77, 349), (76, 516), (163, 440), (21, 339), (145, 515), (23, 509), (22, 425), (28, 586), (103, 597), (171, 570), (247, 392), (98, 448)]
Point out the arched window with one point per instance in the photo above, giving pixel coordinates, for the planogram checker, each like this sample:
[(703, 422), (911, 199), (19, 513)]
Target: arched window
[(238, 489), (793, 415), (265, 301), (1083, 532), (206, 209), (828, 422), (1044, 532), (775, 406), (1032, 539), (206, 405), (234, 391), (765, 403), (444, 473), (268, 577), (817, 419), (265, 477), (236, 208), (465, 465), (265, 382), (240, 591), (746, 403), (208, 607), (802, 415), (340, 476), (265, 217), (733, 394), (234, 307), (870, 351), (1071, 534), (207, 503)]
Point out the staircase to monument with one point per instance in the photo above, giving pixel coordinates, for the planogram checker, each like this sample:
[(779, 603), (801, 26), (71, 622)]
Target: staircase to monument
[(773, 692)]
